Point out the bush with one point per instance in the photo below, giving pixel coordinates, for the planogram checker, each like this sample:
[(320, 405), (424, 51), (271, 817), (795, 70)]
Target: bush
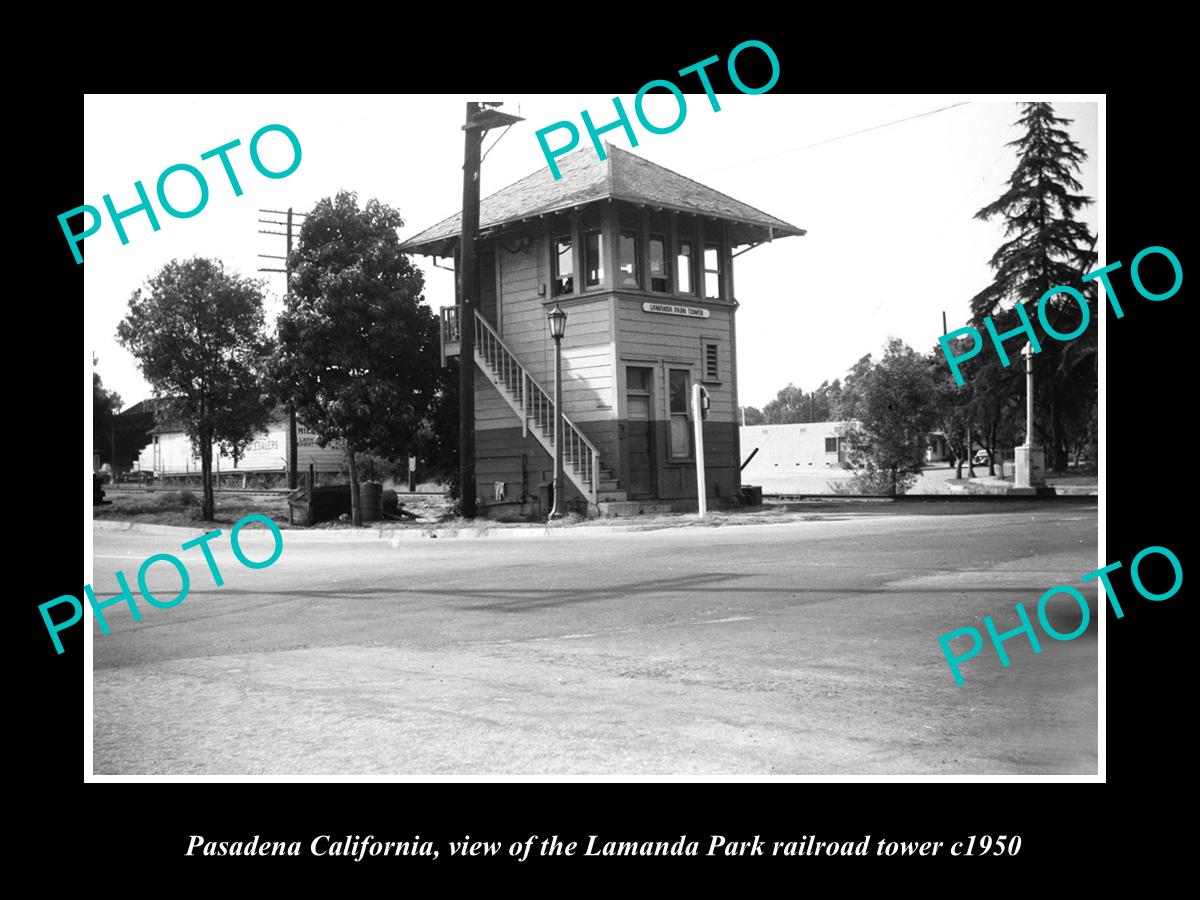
[(872, 482)]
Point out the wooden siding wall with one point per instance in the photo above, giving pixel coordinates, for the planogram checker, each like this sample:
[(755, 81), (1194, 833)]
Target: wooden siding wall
[(503, 454), (607, 331), (589, 390), (663, 342), (667, 341)]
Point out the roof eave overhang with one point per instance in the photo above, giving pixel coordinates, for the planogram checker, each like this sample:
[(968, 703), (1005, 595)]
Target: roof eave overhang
[(443, 245)]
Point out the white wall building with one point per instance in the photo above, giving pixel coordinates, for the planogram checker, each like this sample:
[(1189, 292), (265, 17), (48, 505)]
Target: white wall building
[(793, 459), (170, 453)]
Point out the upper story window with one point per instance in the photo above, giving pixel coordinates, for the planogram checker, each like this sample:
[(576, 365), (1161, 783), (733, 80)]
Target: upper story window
[(712, 271), (593, 258), (592, 238), (562, 251), (627, 259), (659, 280), (683, 268), (629, 247)]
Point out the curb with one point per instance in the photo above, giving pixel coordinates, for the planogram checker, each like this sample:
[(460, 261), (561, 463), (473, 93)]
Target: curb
[(517, 532), (144, 527), (394, 536)]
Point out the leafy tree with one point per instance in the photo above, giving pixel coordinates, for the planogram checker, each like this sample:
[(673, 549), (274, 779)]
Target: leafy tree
[(851, 393), (952, 404), (197, 333), (792, 405), (1045, 247), (789, 406), (886, 445), (829, 398), (358, 350), (997, 399), (105, 405), (752, 415)]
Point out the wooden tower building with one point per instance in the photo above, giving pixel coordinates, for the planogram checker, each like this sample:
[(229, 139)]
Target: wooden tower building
[(641, 260)]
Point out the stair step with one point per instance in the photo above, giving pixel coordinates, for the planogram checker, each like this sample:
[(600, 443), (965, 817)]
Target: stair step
[(612, 497)]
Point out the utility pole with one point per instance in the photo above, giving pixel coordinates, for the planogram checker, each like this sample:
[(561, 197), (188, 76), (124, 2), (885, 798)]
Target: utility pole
[(293, 432), (480, 117), (468, 284)]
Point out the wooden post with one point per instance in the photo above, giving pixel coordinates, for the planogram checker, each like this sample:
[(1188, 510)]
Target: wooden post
[(698, 419)]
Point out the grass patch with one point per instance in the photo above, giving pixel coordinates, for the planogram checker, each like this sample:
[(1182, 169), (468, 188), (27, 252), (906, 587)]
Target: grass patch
[(183, 507)]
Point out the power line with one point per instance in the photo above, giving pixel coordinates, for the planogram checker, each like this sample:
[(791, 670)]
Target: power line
[(837, 138)]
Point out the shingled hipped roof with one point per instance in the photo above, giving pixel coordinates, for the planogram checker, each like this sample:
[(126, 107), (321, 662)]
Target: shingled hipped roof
[(587, 178)]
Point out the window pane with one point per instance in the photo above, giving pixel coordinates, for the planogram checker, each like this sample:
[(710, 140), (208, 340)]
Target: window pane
[(679, 436), (658, 264), (684, 267), (679, 391), (712, 271), (628, 259), (564, 266), (637, 378), (831, 445), (658, 256), (593, 248)]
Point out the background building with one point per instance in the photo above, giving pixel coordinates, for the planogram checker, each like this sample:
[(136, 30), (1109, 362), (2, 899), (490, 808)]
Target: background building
[(794, 459), (169, 454)]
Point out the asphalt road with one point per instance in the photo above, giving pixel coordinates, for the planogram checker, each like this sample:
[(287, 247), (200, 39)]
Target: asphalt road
[(797, 648)]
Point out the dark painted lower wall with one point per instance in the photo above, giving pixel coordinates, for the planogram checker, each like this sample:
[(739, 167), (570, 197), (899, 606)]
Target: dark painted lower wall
[(504, 455), (520, 462), (677, 480)]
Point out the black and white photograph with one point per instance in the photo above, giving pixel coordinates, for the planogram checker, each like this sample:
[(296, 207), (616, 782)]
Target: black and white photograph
[(693, 434)]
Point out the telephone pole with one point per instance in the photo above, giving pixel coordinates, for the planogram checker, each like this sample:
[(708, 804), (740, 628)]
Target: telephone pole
[(293, 432), (480, 117), (468, 283)]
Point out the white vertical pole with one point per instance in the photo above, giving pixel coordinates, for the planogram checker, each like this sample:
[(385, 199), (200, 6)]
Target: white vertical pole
[(699, 424), (1027, 352)]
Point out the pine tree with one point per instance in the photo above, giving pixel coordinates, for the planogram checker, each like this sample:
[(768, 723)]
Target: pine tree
[(1046, 247)]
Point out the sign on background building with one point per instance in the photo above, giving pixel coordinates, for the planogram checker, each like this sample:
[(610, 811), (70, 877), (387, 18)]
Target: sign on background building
[(170, 453)]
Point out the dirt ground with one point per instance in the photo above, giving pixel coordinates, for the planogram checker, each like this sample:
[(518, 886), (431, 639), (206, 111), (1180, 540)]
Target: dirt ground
[(182, 507)]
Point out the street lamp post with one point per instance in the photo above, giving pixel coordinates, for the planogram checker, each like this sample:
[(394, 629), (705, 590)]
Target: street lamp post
[(558, 327), (1030, 461)]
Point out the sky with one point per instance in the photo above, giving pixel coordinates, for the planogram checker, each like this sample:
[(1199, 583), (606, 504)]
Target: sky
[(891, 242)]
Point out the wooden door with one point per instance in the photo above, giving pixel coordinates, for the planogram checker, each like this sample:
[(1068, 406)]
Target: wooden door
[(640, 435)]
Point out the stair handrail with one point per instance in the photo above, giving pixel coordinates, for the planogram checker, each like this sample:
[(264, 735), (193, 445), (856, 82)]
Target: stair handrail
[(510, 368)]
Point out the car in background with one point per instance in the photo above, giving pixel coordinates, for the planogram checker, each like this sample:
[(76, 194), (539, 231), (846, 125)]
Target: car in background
[(982, 458)]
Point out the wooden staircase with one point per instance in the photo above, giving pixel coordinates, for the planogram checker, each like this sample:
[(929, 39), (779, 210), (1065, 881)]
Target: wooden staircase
[(535, 408)]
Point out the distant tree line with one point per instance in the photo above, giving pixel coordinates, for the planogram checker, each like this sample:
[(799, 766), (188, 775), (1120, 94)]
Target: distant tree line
[(897, 402)]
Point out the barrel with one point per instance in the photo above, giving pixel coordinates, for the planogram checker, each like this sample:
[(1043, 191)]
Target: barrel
[(370, 501)]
